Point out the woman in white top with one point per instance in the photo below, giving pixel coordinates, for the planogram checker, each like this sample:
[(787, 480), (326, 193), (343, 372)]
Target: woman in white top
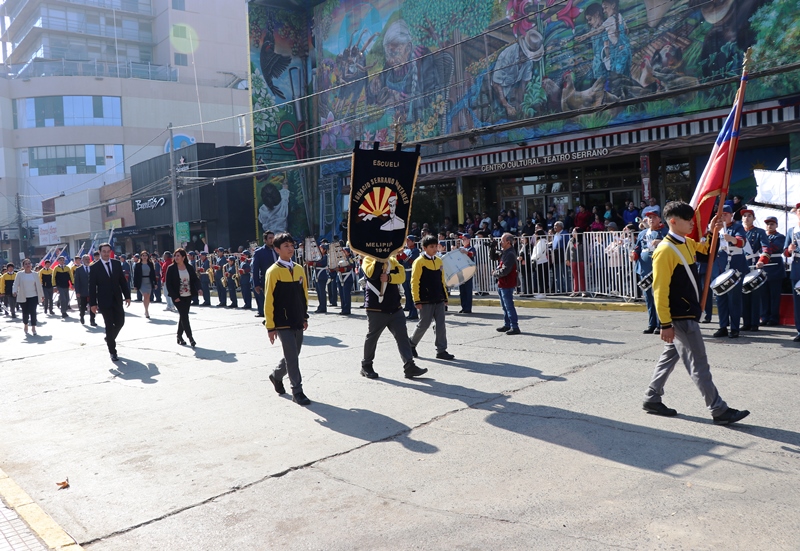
[(183, 285), (28, 290)]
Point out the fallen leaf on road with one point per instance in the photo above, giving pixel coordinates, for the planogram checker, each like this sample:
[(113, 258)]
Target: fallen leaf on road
[(63, 485)]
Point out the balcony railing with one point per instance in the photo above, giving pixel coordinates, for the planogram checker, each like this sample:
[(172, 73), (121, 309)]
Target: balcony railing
[(66, 68), (140, 7)]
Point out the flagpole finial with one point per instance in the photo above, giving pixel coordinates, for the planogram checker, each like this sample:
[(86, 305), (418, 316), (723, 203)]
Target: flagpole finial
[(747, 59)]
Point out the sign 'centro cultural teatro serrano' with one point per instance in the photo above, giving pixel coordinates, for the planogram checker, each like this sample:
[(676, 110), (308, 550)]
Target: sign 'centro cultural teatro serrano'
[(546, 159)]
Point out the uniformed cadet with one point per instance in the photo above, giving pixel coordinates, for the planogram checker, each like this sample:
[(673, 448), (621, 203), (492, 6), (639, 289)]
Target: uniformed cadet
[(193, 262), (321, 272), (232, 274), (6, 286), (731, 256), (245, 283), (792, 251), (771, 297), (219, 270), (406, 259), (62, 277), (205, 273), (642, 254), (46, 277), (263, 257), (345, 276), (465, 290), (333, 280), (751, 302)]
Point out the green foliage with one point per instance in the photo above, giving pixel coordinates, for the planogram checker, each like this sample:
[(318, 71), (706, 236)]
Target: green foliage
[(323, 17), (777, 43), (535, 96), (433, 22), (595, 120)]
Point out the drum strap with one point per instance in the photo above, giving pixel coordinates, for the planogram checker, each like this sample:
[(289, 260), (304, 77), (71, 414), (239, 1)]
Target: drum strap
[(685, 265)]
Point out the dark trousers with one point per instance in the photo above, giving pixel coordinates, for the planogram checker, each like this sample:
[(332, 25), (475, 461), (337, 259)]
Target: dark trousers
[(114, 319), (796, 298), (157, 291), (409, 305), (542, 278), (333, 286), (48, 299), (183, 306), (346, 290), (652, 317), (205, 285), (396, 323), (232, 292), (259, 301), (29, 310), (751, 307), (771, 301), (729, 307), (247, 292), (465, 295), (11, 304), (63, 300), (221, 292), (83, 305), (292, 342), (709, 301), (322, 295)]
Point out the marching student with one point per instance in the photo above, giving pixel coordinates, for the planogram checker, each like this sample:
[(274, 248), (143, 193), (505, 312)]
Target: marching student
[(62, 277), (46, 278), (6, 290), (429, 290), (731, 255), (792, 251), (677, 298), (286, 315)]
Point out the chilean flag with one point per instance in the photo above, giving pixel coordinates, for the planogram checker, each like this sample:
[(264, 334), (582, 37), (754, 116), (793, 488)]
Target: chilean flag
[(716, 177)]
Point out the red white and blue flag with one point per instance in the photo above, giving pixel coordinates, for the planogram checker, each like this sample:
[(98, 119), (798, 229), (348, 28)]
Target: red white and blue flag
[(716, 177)]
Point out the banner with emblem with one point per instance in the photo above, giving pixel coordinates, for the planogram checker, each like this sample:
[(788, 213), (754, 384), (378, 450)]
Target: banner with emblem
[(381, 187)]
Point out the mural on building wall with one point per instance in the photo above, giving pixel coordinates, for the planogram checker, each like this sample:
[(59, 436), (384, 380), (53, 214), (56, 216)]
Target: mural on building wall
[(279, 48), (414, 69)]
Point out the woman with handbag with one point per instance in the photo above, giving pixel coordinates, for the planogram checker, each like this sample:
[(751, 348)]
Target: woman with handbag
[(144, 279), (28, 292), (182, 285)]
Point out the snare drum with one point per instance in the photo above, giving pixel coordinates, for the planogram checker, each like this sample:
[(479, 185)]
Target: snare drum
[(458, 268), (797, 287), (753, 281), (311, 251), (646, 282), (726, 281)]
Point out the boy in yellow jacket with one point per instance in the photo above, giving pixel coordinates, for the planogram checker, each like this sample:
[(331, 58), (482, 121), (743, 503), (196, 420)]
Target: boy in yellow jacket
[(430, 296), (677, 299)]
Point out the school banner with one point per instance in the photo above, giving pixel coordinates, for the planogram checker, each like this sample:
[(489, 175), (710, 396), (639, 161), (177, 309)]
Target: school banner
[(381, 187)]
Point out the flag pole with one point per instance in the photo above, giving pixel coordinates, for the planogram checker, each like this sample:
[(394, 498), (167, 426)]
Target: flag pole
[(726, 180)]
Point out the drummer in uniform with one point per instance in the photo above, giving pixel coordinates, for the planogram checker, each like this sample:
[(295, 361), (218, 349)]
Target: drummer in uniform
[(321, 272), (244, 280), (219, 270), (465, 290), (205, 273), (731, 257), (345, 275), (771, 297), (406, 259), (751, 302), (792, 251), (232, 275), (333, 280), (642, 254)]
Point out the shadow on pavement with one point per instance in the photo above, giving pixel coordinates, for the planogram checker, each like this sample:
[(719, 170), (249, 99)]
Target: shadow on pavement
[(767, 433), (130, 370), (368, 426), (312, 340), (216, 355), (38, 339), (155, 321), (578, 339)]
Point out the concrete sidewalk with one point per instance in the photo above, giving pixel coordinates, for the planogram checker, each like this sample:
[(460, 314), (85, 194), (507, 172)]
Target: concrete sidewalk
[(535, 441)]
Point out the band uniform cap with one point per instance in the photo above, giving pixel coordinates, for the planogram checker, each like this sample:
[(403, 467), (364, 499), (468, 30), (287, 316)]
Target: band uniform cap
[(204, 254), (770, 219), (728, 209), (653, 213), (232, 258), (745, 211), (192, 253), (412, 238), (443, 243), (220, 249), (246, 253)]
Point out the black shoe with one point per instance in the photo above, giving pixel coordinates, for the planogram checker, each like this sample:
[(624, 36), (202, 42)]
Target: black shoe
[(300, 399), (503, 329), (344, 313), (657, 331), (93, 324), (796, 339), (368, 372), (754, 328), (83, 322), (770, 323), (318, 311), (513, 331), (445, 356), (114, 357), (412, 370), (745, 328), (721, 332), (731, 416), (734, 335), (279, 388), (649, 331), (192, 343), (181, 341), (414, 352), (706, 320), (63, 316), (411, 318), (658, 408)]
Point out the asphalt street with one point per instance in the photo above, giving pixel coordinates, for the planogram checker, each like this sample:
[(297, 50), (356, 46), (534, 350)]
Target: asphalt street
[(534, 441)]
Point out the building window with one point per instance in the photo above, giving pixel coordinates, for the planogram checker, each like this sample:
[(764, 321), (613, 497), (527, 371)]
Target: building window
[(50, 111), (179, 31), (179, 5), (181, 59), (75, 159)]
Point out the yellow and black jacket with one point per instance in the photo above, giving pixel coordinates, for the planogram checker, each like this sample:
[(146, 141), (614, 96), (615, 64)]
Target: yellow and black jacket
[(6, 283), (674, 294), (285, 297), (427, 280), (46, 277), (62, 276), (391, 297)]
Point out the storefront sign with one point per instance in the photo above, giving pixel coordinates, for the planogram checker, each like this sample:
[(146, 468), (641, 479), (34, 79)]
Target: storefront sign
[(182, 231), (546, 159), (115, 223), (48, 234), (152, 203)]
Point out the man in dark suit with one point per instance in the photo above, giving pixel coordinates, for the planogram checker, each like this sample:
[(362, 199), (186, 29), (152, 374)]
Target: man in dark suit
[(263, 257), (107, 287), (81, 275)]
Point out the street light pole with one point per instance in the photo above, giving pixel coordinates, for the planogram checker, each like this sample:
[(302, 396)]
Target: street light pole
[(173, 177)]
